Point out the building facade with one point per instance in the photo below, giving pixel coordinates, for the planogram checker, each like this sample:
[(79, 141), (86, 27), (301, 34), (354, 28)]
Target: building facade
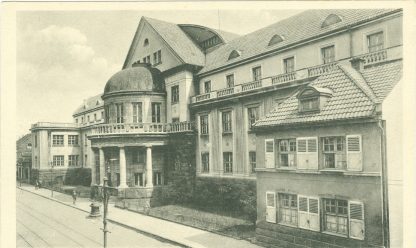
[(205, 101), (24, 158)]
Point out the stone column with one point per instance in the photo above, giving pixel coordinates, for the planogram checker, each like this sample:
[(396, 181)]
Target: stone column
[(93, 172), (102, 166), (149, 169), (122, 168)]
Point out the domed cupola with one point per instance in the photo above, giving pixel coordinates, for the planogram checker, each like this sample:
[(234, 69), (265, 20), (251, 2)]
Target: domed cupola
[(136, 79)]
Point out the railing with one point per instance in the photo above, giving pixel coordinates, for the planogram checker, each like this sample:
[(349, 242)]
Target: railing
[(321, 69), (374, 57), (283, 78), (203, 97), (134, 128), (224, 92), (251, 85), (54, 125)]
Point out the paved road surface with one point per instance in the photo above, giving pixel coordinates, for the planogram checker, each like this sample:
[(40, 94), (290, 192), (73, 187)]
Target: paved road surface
[(44, 223)]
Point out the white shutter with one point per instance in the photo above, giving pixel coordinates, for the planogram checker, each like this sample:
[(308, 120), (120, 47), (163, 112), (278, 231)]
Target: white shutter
[(312, 153), (354, 153), (301, 153), (269, 153), (314, 214), (356, 217), (303, 215), (271, 207), (291, 158)]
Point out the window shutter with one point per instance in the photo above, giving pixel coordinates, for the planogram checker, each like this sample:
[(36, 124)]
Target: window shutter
[(292, 160), (271, 207), (301, 153), (303, 212), (354, 153), (356, 214), (314, 214), (269, 154), (312, 153)]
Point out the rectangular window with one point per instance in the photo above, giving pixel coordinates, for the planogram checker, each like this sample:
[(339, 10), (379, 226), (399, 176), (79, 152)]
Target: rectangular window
[(287, 153), (207, 86), (230, 80), (226, 122), (256, 73), (120, 112), (157, 58), (157, 178), (311, 104), (253, 115), (375, 42), (95, 117), (252, 159), (73, 160), (289, 65), (57, 140), (73, 140), (82, 119), (175, 94), (107, 113), (137, 112), (228, 162), (138, 179), (88, 119), (102, 115), (204, 124), (288, 209), (58, 160), (205, 162), (328, 54), (156, 112), (334, 152), (85, 140), (336, 216), (36, 140)]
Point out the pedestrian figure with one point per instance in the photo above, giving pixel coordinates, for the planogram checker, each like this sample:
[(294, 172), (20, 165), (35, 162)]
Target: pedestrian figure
[(74, 196), (37, 184)]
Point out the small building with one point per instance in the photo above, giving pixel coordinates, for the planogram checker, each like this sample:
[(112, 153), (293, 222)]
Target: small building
[(24, 158), (323, 172)]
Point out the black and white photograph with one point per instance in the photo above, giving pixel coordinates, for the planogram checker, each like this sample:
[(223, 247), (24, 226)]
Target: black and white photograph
[(210, 124)]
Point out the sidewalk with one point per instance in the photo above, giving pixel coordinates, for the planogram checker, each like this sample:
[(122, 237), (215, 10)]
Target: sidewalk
[(174, 232)]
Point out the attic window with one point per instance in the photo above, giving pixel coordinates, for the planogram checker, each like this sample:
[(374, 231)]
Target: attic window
[(98, 102), (146, 42), (234, 54), (313, 98), (331, 19), (276, 39)]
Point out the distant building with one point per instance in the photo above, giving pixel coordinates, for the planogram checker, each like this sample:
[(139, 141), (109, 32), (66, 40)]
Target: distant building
[(193, 104), (24, 158)]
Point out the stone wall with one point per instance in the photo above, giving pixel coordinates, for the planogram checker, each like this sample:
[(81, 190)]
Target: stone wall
[(75, 176), (279, 236)]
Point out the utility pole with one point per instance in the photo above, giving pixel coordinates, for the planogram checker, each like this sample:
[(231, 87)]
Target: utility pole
[(105, 201)]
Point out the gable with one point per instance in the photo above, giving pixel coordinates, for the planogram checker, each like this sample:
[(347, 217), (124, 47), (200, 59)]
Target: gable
[(153, 44)]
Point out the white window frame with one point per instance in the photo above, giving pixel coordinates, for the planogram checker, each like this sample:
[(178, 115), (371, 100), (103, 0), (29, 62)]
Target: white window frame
[(374, 31), (321, 58), (357, 154), (283, 63), (314, 155), (269, 159), (271, 213)]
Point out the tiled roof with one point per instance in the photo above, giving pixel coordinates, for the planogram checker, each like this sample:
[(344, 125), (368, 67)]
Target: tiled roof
[(90, 103), (351, 98), (176, 38), (294, 29)]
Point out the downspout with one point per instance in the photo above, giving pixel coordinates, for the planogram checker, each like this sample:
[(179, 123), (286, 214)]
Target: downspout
[(384, 185)]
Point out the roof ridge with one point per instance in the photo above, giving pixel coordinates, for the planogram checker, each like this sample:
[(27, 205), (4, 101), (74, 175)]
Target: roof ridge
[(359, 81)]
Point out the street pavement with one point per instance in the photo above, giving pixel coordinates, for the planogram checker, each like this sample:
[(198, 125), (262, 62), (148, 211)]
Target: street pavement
[(41, 222), (161, 229)]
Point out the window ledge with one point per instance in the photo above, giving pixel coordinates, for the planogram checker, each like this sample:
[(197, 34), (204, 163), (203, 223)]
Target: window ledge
[(333, 170), (289, 225), (335, 234), (204, 134), (308, 171), (285, 169), (227, 133)]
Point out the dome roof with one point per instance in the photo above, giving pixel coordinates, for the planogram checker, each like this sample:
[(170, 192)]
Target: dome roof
[(139, 78)]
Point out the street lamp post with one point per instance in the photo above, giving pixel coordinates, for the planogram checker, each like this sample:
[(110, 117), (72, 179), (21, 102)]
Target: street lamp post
[(105, 201)]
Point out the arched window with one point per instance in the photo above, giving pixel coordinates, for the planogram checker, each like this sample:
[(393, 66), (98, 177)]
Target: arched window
[(331, 19), (234, 54), (146, 42), (276, 39)]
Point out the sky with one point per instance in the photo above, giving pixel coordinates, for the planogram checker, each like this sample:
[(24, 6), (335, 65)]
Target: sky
[(64, 57)]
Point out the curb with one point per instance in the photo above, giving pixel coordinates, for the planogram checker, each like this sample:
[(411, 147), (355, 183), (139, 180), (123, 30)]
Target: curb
[(150, 234)]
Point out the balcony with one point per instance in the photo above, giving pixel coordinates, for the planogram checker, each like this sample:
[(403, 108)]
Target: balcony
[(309, 73), (142, 128)]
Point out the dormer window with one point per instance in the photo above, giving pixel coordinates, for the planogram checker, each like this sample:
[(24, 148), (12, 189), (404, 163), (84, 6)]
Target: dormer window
[(146, 42), (276, 39), (234, 54), (330, 20), (313, 98), (98, 103)]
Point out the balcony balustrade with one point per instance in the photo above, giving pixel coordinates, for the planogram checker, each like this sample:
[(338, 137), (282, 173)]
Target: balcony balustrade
[(284, 78), (142, 128), (391, 53)]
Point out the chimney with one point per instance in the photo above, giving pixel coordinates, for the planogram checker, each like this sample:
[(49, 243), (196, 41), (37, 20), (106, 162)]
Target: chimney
[(357, 63)]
